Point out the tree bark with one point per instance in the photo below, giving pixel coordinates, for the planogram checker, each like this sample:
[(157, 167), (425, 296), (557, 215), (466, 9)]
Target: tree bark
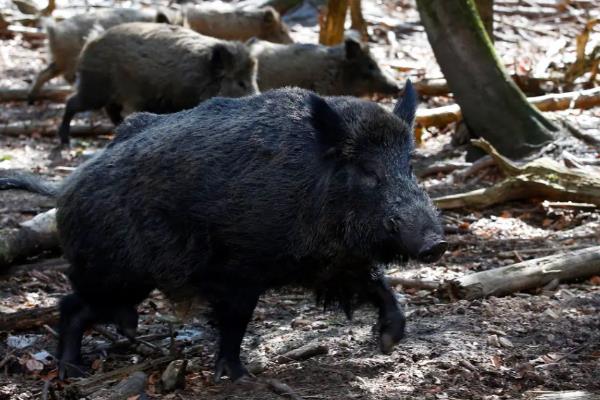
[(332, 23), (531, 274), (441, 116), (54, 93), (493, 106), (33, 237), (486, 13), (542, 178), (358, 20), (28, 319)]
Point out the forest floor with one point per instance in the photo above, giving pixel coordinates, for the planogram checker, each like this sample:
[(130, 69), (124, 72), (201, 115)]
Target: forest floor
[(514, 347)]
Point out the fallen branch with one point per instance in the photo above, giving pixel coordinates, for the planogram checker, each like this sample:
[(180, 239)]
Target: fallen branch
[(303, 353), (131, 386), (412, 283), (87, 386), (28, 128), (281, 389), (33, 237), (441, 167), (27, 32), (56, 93), (584, 99), (577, 264), (32, 318), (542, 178), (439, 86)]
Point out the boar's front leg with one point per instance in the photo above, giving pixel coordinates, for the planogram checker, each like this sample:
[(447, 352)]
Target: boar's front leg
[(233, 313), (391, 318)]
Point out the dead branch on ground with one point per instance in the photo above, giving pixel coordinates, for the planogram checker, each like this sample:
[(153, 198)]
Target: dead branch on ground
[(28, 319), (583, 99), (542, 178), (526, 275)]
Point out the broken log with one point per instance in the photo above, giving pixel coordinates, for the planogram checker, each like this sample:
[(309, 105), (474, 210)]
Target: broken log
[(303, 353), (33, 237), (30, 318), (526, 275), (54, 93), (583, 99), (542, 178), (130, 387), (30, 127)]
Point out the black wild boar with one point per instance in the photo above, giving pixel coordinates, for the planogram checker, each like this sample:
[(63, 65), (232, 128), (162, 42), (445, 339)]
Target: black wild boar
[(237, 196), (346, 69), (158, 68), (225, 21), (67, 38)]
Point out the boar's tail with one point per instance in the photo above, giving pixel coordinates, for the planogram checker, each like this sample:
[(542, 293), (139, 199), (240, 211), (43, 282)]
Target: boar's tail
[(28, 182)]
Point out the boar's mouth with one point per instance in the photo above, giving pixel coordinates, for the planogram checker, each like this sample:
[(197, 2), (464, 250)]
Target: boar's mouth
[(390, 251)]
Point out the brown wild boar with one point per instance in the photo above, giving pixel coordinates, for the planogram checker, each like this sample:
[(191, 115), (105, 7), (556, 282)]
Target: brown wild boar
[(67, 38), (225, 21), (346, 69), (157, 68)]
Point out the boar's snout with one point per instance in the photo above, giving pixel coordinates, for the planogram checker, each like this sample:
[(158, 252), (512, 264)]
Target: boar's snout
[(428, 246), (432, 250)]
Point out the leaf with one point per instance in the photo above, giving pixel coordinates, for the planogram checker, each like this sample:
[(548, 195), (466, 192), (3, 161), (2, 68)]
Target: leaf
[(595, 280), (34, 365), (496, 361)]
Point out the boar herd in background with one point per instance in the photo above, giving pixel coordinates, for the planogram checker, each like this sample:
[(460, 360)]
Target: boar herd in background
[(163, 61), (225, 198)]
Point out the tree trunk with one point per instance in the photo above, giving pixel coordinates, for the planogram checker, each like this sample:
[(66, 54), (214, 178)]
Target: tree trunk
[(493, 106), (486, 13), (332, 23), (358, 20)]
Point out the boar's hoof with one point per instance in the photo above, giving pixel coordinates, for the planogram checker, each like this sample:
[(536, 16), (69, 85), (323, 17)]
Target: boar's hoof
[(391, 331), (233, 369), (68, 370)]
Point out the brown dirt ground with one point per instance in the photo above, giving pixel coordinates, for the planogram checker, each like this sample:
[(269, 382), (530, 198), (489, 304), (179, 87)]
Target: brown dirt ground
[(496, 348)]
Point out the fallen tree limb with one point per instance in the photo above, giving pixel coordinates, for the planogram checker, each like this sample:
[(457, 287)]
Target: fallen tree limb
[(32, 318), (303, 353), (577, 264), (54, 93), (439, 86), (584, 99), (33, 237), (412, 283), (437, 167), (28, 128), (94, 383), (542, 178)]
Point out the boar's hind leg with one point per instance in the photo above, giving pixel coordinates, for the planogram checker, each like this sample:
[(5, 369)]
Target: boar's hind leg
[(113, 111), (233, 314), (42, 77), (391, 319), (93, 92), (75, 317)]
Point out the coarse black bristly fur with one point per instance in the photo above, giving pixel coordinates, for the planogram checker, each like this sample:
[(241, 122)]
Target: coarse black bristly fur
[(238, 196)]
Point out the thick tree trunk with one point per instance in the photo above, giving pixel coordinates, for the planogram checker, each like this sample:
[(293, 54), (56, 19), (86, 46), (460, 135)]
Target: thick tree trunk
[(493, 106), (486, 13), (358, 20), (332, 26)]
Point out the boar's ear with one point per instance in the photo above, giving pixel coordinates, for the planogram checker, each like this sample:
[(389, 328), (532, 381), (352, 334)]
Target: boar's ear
[(407, 106), (331, 130), (270, 16), (221, 58), (353, 48)]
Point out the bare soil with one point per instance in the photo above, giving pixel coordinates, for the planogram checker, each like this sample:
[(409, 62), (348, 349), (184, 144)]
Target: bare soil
[(514, 347)]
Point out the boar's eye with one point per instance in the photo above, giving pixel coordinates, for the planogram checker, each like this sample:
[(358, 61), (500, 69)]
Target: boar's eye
[(242, 84), (369, 178)]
